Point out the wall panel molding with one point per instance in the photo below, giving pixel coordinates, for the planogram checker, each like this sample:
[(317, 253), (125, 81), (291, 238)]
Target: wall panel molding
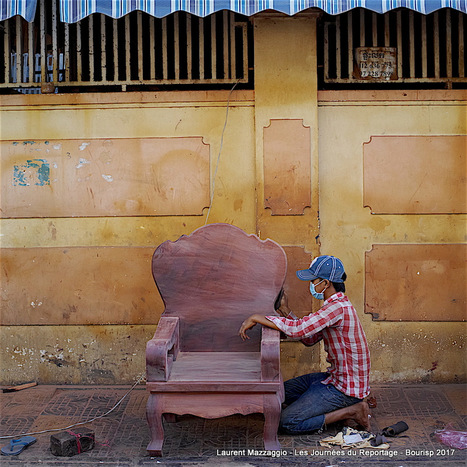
[(298, 292), (415, 174), (78, 286), (104, 177), (287, 167), (416, 282)]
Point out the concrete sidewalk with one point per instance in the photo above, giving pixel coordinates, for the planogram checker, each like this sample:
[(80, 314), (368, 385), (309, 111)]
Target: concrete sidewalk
[(122, 435)]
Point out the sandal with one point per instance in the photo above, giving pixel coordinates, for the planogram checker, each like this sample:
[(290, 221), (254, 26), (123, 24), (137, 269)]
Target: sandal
[(17, 446)]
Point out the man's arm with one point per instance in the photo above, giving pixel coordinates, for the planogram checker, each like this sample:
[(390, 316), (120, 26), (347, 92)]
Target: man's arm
[(286, 312), (309, 341), (252, 321)]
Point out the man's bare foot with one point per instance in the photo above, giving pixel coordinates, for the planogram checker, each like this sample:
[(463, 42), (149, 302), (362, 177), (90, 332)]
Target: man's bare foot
[(360, 413)]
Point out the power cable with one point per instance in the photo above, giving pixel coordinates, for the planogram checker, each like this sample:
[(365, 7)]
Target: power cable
[(80, 423), (213, 185)]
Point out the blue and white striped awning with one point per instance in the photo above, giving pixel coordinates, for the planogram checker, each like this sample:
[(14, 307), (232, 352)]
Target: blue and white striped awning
[(24, 8), (75, 10)]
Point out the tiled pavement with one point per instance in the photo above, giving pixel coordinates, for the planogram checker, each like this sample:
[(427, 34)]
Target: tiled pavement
[(122, 436)]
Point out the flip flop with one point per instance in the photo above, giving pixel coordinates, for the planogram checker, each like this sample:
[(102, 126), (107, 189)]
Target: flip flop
[(17, 446)]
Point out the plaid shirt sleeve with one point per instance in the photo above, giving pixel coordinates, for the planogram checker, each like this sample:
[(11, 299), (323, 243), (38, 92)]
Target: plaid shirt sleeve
[(308, 326), (308, 341)]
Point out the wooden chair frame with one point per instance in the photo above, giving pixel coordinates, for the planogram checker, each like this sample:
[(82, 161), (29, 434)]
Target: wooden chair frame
[(228, 376)]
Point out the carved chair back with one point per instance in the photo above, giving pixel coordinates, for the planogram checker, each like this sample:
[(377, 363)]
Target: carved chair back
[(213, 279)]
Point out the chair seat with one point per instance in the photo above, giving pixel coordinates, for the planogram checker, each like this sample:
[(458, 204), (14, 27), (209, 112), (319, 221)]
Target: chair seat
[(221, 372), (217, 366)]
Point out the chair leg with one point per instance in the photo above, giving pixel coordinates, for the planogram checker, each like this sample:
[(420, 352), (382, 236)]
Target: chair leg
[(272, 414), (154, 418)]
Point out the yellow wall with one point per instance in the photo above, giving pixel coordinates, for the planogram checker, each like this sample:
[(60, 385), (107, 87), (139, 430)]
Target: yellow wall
[(115, 353), (285, 88), (400, 351)]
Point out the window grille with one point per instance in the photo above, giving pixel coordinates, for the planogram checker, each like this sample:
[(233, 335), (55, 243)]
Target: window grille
[(135, 50), (426, 48)]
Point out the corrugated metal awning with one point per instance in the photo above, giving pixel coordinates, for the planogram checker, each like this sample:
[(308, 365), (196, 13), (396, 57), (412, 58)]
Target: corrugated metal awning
[(75, 10)]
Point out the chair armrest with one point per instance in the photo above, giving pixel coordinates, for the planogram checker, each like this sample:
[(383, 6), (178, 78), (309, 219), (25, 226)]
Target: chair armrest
[(270, 354), (162, 349)]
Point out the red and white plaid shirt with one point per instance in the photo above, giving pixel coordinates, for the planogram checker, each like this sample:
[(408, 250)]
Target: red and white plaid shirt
[(337, 324)]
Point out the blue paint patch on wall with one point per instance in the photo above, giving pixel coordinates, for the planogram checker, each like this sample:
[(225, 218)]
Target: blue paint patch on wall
[(34, 172)]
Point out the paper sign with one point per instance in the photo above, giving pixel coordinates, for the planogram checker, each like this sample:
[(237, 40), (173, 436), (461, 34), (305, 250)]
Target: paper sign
[(376, 63)]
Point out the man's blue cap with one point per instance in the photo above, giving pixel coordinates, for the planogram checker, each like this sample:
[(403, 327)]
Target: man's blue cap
[(323, 267)]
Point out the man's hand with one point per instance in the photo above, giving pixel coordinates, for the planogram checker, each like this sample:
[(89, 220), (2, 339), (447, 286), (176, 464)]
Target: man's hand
[(247, 324), (251, 321), (284, 309)]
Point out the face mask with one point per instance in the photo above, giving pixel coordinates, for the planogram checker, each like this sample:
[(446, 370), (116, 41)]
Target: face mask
[(317, 295)]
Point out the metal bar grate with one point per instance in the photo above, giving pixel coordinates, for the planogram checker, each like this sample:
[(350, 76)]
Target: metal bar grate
[(428, 48), (136, 50)]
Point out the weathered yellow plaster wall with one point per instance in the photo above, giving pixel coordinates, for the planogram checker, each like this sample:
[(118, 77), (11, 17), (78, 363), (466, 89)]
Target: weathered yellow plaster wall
[(286, 88), (400, 351), (111, 353), (74, 354), (168, 116)]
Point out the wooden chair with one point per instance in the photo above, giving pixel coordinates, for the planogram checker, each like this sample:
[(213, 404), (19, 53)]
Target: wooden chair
[(210, 281)]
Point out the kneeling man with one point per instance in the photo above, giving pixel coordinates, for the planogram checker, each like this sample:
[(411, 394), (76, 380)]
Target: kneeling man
[(318, 399)]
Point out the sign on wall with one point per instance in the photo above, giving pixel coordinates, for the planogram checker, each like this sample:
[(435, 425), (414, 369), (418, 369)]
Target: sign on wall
[(376, 63)]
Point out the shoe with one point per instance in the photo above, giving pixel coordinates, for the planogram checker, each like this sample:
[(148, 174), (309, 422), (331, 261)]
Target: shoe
[(395, 429)]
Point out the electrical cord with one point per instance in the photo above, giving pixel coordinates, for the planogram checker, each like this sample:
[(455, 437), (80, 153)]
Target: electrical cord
[(80, 423), (220, 150)]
